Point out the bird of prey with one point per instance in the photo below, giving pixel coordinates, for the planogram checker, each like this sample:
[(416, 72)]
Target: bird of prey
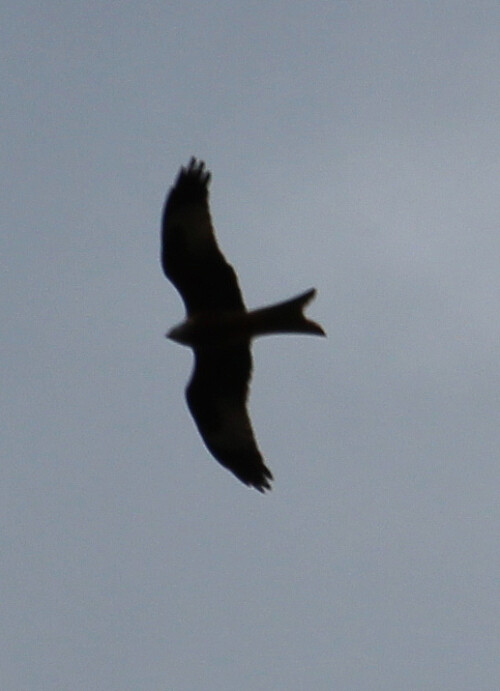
[(218, 327)]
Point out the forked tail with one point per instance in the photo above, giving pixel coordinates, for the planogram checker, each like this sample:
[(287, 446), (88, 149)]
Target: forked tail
[(286, 317)]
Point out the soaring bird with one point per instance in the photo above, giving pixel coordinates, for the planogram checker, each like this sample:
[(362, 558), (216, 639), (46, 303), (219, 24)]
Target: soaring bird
[(218, 327)]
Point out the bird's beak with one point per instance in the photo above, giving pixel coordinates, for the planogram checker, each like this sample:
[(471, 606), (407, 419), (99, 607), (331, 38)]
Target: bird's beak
[(175, 334)]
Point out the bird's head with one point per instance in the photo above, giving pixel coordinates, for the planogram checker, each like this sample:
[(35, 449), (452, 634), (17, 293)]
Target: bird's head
[(182, 333)]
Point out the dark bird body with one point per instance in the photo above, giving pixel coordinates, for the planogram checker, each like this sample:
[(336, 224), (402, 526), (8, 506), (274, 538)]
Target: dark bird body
[(218, 327)]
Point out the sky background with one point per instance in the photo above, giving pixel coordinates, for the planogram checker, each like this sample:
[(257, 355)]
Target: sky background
[(354, 147)]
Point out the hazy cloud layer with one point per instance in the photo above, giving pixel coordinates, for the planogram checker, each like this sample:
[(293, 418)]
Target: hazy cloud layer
[(354, 147)]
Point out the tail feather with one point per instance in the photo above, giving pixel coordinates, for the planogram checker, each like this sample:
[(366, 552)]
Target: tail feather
[(286, 317)]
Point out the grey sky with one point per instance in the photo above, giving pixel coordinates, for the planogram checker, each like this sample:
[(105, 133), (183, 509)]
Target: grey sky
[(354, 147)]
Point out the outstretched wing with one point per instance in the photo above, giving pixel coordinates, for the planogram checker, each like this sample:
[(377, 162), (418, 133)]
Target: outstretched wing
[(216, 397), (190, 255)]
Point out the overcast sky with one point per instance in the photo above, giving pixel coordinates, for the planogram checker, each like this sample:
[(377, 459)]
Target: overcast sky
[(354, 147)]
